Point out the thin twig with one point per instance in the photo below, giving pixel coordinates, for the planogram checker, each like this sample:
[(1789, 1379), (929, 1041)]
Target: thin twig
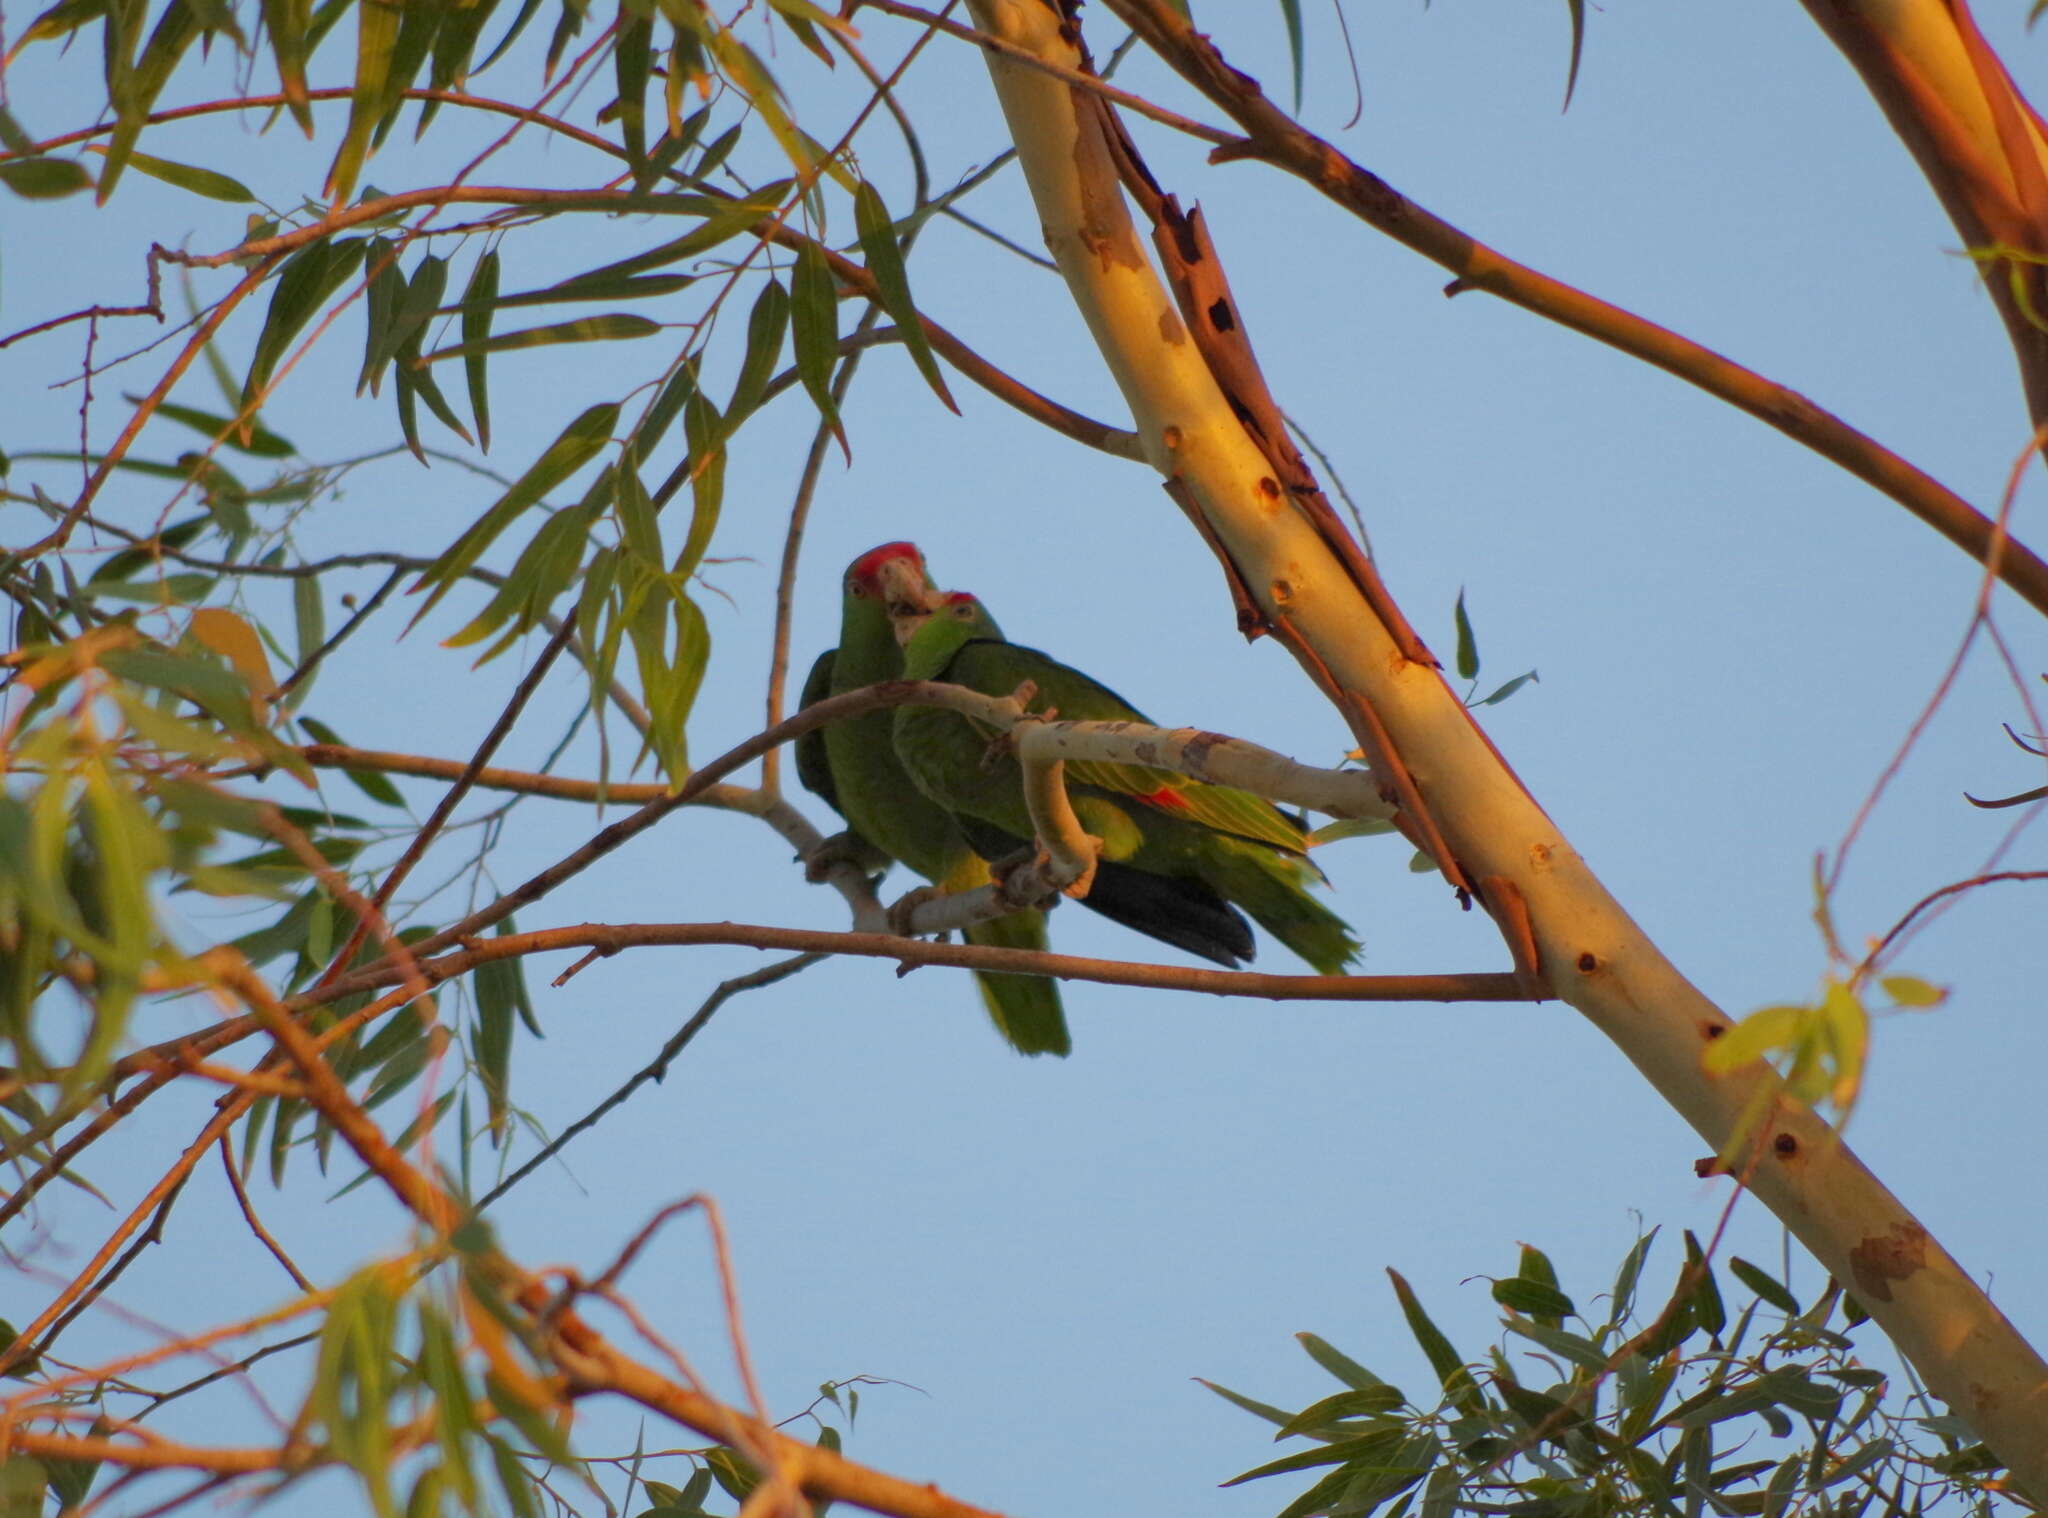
[(227, 1159), (657, 1068)]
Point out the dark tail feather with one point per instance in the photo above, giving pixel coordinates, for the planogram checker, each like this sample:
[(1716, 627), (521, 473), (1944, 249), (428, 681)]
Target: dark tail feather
[(1175, 909)]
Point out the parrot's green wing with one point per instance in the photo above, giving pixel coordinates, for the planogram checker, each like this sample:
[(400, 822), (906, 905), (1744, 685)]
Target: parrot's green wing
[(1207, 843), (813, 764), (999, 668)]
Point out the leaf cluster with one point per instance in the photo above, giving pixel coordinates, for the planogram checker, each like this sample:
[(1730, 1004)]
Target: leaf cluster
[(1751, 1408)]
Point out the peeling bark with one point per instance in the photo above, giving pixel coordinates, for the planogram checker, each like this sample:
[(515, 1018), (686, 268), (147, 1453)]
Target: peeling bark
[(1548, 902)]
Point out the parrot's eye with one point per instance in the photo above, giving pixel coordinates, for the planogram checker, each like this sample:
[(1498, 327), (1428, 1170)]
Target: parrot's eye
[(853, 589), (964, 611)]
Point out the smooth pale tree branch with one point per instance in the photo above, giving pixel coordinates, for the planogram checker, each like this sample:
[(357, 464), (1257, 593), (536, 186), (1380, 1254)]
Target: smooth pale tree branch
[(1587, 946), (1272, 136), (1194, 752), (1980, 145)]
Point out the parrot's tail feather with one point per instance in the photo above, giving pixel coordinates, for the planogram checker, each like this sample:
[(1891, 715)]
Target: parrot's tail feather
[(1024, 1008), (1273, 889), (1175, 909)]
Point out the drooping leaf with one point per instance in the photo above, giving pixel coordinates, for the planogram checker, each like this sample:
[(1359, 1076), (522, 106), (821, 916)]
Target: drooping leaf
[(885, 263), (766, 325), (814, 322), (746, 73), (632, 50), (377, 25), (1577, 11), (478, 300), (302, 287), (231, 636), (1290, 11), (542, 572), (577, 444), (136, 90), (288, 22)]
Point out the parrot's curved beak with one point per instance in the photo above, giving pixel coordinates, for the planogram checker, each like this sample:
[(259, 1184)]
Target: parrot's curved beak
[(900, 584)]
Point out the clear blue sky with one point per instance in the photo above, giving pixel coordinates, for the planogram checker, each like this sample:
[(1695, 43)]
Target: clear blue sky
[(1733, 636)]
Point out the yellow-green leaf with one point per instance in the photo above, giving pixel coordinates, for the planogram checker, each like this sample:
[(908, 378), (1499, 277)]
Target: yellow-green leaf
[(1911, 991), (45, 178), (613, 326), (206, 182), (578, 444), (1762, 1032), (377, 23)]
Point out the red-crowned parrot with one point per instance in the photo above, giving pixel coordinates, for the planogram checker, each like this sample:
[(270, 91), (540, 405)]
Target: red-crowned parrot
[(1234, 847), (853, 766)]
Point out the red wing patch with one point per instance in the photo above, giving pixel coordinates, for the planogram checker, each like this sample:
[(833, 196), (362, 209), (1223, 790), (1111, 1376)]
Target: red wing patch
[(1167, 799)]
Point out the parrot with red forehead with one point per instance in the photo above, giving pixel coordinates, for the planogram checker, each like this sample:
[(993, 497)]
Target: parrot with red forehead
[(852, 765), (1229, 846)]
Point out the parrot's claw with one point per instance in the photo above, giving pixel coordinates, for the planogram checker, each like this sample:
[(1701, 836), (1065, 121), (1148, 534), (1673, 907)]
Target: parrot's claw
[(1019, 879), (841, 848), (904, 908), (1000, 748)]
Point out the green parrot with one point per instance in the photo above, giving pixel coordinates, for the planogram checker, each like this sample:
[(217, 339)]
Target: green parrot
[(1238, 849), (852, 765)]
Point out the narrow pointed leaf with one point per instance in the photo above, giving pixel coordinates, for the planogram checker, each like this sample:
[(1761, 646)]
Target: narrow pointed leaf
[(1339, 1364), (303, 286), (1764, 1285), (1468, 646), (612, 326), (248, 438), (478, 299), (885, 263), (206, 182), (1290, 11), (631, 60), (176, 30), (578, 444), (377, 24), (767, 324), (1443, 1359), (814, 320), (288, 21), (1577, 11)]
